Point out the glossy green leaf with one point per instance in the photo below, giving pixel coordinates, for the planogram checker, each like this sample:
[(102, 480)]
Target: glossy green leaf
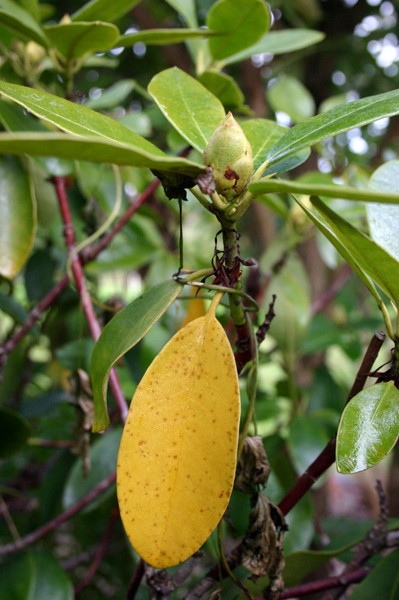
[(266, 186), (14, 118), (187, 9), (159, 37), (74, 118), (335, 121), (103, 10), (21, 23), (371, 258), (17, 216), (223, 87), (289, 95), (192, 110), (384, 220), (342, 249), (34, 576), (95, 149), (306, 440), (262, 134), (14, 431), (368, 429), (382, 582), (103, 457), (124, 331), (279, 42), (242, 21), (73, 40)]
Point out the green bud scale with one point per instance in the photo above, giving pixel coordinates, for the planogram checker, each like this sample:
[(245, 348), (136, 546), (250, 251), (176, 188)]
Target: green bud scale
[(230, 155)]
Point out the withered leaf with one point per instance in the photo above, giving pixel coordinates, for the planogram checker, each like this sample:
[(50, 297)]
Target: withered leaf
[(253, 467), (262, 552)]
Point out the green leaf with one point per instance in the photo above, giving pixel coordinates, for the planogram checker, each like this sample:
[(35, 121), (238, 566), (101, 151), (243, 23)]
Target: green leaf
[(243, 21), (51, 582), (299, 564), (368, 429), (124, 331), (186, 8), (267, 186), (382, 582), (342, 249), (21, 23), (17, 217), (95, 149), (306, 440), (262, 134), (223, 87), (335, 121), (279, 42), (289, 95), (383, 220), (163, 36), (113, 96), (103, 457), (192, 110), (14, 431), (103, 10), (74, 118), (371, 258), (14, 118), (17, 577), (73, 40)]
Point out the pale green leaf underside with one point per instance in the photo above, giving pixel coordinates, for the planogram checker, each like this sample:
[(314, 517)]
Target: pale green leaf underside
[(95, 149), (163, 36), (384, 220), (124, 331)]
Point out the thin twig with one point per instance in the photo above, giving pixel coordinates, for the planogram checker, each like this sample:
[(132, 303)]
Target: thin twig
[(321, 303), (302, 591), (101, 550), (135, 581), (77, 270), (31, 538)]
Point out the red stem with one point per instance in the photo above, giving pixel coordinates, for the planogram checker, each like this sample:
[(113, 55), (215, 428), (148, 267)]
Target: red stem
[(101, 550), (135, 581), (77, 270), (31, 538)]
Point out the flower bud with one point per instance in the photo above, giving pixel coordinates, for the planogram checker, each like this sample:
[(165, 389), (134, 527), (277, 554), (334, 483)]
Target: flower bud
[(230, 155)]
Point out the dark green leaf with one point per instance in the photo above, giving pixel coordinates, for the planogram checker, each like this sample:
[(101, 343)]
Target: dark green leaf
[(21, 23), (158, 37), (39, 274), (279, 42), (103, 10), (368, 429), (103, 457), (335, 121), (223, 87), (122, 333), (242, 21), (382, 582), (14, 431), (76, 354), (73, 40), (17, 216), (17, 577), (262, 134), (95, 149), (187, 105), (306, 440), (371, 258), (299, 564), (51, 582), (383, 220), (187, 9)]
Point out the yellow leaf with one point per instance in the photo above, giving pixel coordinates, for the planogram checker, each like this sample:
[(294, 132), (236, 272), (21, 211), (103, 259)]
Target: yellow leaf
[(195, 309), (177, 457)]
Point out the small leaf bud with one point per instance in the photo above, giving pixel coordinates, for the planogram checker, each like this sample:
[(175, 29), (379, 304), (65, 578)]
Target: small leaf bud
[(230, 155)]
